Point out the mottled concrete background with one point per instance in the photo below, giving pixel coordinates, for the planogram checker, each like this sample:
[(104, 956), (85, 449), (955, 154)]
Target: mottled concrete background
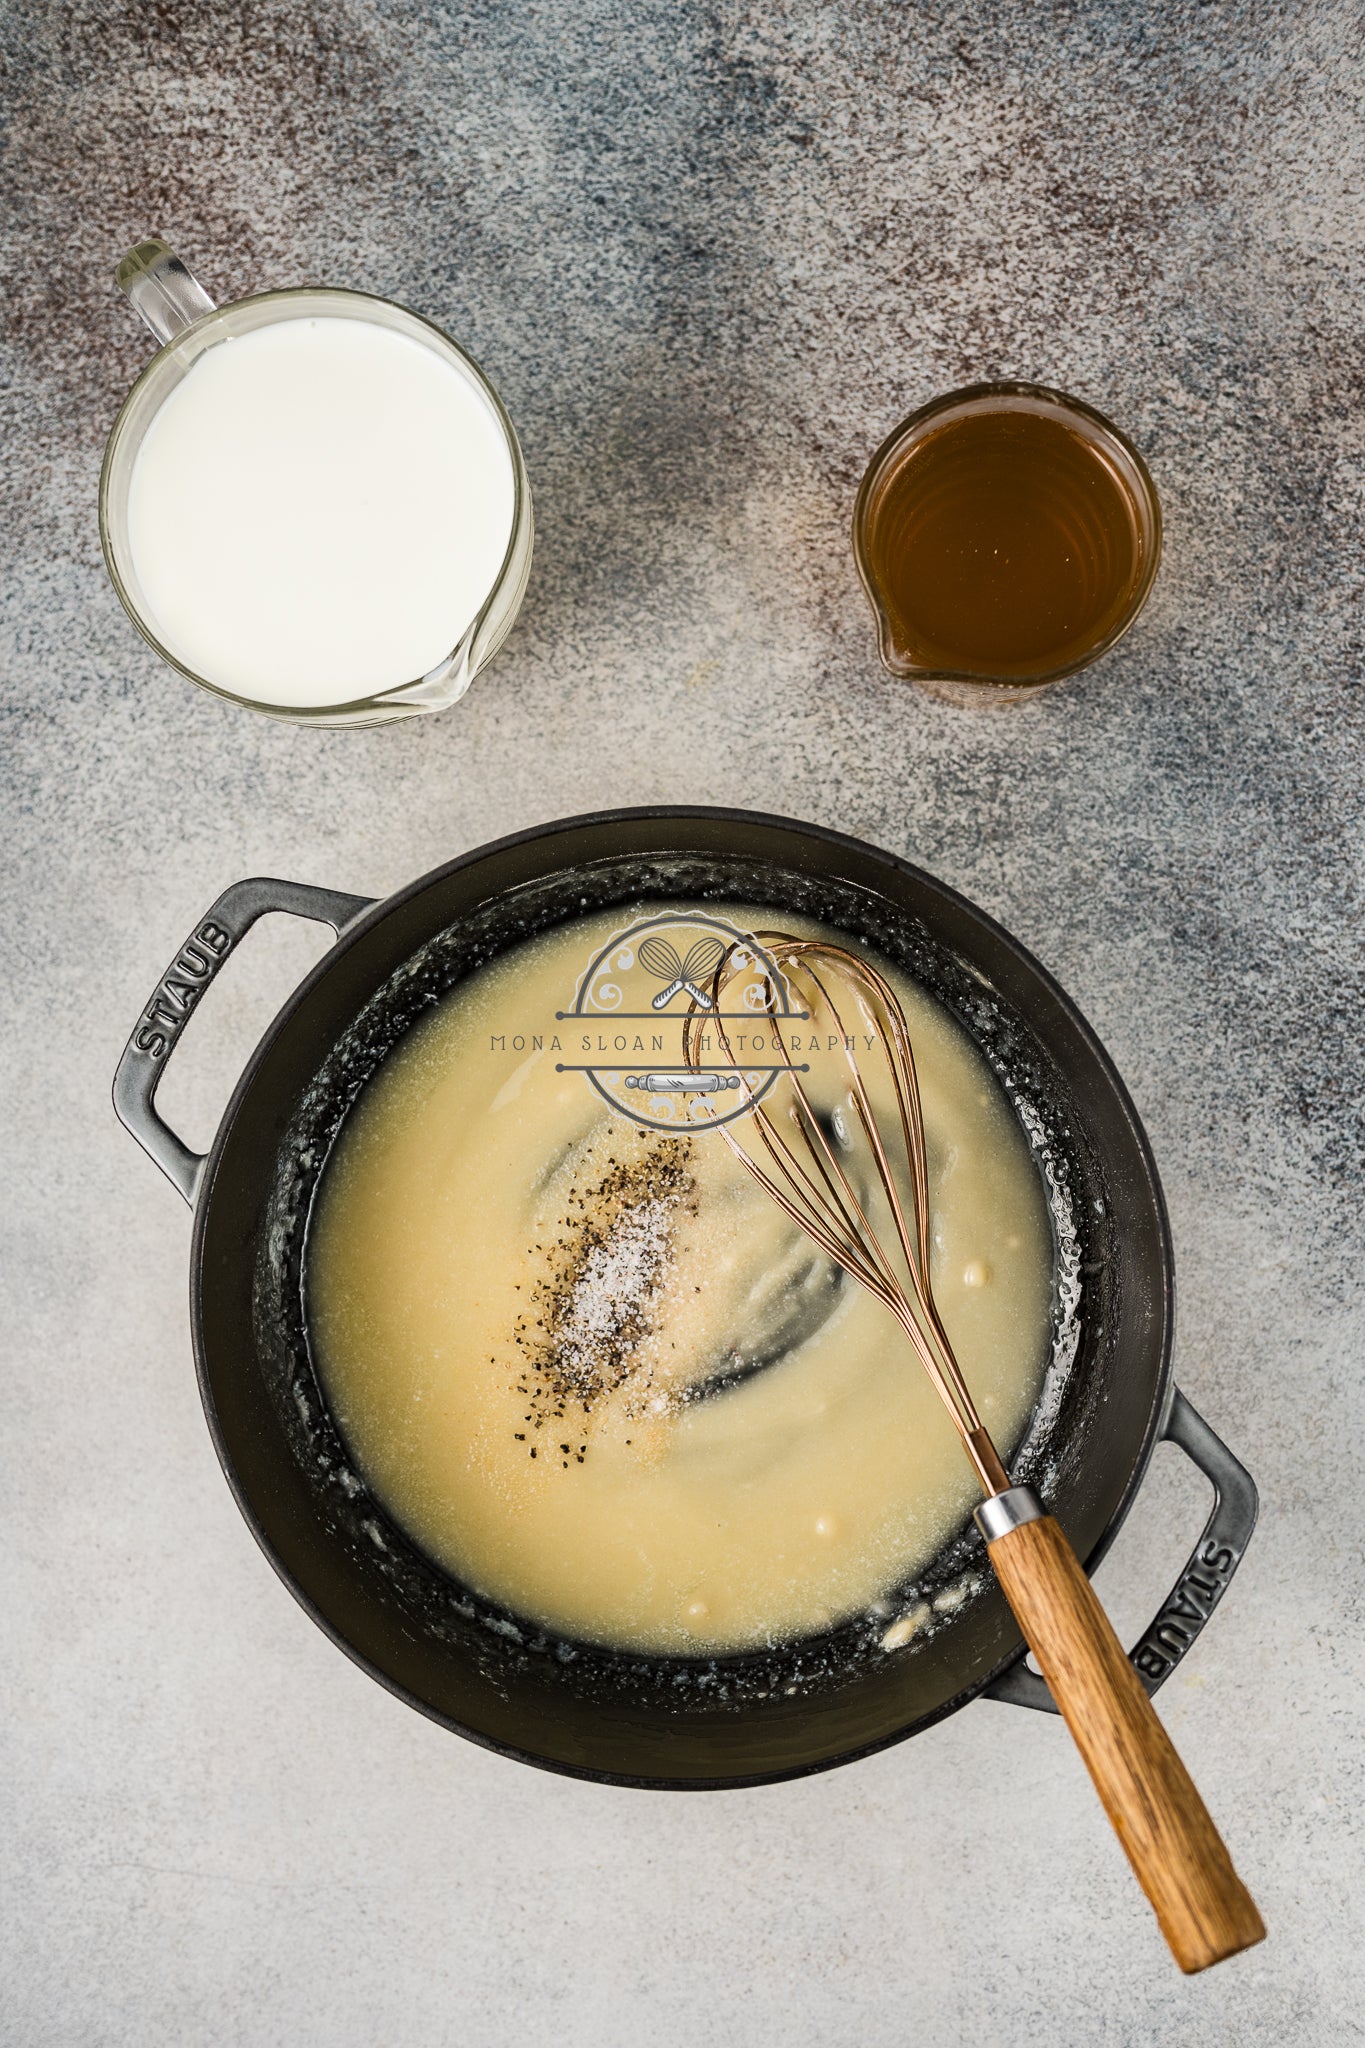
[(709, 254)]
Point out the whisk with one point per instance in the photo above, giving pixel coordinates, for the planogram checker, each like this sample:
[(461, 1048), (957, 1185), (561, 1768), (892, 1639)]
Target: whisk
[(1176, 1852)]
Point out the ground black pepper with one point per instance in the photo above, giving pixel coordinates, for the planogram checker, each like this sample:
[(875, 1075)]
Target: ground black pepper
[(583, 1327)]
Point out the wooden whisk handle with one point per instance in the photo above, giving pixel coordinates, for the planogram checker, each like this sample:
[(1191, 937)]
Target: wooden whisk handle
[(1178, 1855)]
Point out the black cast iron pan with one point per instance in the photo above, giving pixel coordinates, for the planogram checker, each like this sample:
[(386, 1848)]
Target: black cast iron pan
[(633, 1720)]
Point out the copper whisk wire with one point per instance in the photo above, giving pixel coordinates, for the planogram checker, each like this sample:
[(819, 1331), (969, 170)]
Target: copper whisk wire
[(811, 1184)]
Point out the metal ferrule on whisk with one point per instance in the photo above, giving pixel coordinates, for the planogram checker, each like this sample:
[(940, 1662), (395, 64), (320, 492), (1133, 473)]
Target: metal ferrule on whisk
[(1008, 1510)]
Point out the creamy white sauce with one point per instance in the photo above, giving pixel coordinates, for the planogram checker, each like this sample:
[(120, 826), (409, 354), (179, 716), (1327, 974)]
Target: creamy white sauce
[(650, 1518), (318, 511)]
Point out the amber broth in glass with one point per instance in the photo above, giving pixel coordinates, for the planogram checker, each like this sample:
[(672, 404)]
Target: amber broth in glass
[(1003, 545)]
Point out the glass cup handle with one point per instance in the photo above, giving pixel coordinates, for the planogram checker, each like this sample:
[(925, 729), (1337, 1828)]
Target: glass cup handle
[(162, 289)]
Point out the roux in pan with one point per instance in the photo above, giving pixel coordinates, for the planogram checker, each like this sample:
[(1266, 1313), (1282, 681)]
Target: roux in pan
[(596, 1373)]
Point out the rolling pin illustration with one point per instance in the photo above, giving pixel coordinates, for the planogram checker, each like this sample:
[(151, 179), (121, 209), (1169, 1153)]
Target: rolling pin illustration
[(682, 1084)]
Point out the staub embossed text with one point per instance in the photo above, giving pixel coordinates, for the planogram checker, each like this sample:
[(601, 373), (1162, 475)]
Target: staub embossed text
[(180, 988)]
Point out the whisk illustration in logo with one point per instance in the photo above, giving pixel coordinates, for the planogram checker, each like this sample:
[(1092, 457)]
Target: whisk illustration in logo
[(634, 998)]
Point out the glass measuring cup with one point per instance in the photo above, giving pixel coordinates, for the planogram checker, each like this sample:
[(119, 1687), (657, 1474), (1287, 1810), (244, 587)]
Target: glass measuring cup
[(186, 322), (954, 478)]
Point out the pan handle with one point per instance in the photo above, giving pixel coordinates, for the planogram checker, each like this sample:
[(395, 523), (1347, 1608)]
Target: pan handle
[(194, 967), (1203, 1582)]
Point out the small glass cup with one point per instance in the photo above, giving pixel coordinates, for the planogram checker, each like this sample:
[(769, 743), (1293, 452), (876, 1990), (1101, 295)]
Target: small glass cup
[(1126, 466), (185, 320)]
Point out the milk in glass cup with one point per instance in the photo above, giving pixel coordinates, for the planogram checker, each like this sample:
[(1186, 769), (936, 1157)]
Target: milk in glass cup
[(312, 502)]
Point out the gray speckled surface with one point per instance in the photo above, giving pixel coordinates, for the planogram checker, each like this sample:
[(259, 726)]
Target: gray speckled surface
[(709, 254)]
